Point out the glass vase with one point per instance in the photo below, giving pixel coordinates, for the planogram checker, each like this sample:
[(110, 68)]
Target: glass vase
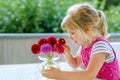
[(47, 62)]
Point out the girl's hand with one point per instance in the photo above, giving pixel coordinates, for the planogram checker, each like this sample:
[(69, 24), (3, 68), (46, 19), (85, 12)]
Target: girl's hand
[(66, 49), (52, 73)]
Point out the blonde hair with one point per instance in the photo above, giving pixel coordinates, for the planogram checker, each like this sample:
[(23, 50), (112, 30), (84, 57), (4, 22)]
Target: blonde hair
[(84, 16)]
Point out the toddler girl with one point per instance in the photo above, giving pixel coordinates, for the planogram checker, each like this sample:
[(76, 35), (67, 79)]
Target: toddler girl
[(87, 27)]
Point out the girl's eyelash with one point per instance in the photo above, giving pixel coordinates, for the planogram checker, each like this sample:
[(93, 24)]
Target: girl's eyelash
[(72, 33)]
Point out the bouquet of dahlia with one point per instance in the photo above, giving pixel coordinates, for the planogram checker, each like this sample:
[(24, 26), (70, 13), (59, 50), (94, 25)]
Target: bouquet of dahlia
[(48, 47)]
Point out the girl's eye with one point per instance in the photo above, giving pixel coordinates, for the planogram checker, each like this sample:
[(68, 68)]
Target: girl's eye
[(72, 33)]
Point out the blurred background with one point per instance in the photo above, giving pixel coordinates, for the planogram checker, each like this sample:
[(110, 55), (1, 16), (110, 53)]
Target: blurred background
[(23, 22), (45, 16)]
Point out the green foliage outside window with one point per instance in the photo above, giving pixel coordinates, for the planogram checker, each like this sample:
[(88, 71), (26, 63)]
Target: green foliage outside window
[(45, 16)]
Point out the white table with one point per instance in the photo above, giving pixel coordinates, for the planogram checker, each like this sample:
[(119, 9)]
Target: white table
[(19, 72), (25, 71)]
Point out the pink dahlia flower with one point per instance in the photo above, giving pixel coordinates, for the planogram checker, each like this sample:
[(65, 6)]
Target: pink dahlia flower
[(46, 48)]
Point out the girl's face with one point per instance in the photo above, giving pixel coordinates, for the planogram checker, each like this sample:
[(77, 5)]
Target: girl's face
[(77, 36)]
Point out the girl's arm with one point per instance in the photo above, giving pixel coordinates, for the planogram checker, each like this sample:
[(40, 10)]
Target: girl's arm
[(90, 73), (73, 61)]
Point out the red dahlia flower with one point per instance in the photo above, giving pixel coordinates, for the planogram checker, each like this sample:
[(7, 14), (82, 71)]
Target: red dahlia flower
[(42, 41), (52, 40), (61, 41), (35, 48), (59, 48)]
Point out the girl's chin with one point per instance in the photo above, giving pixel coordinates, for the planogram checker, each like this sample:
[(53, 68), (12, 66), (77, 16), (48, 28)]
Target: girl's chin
[(78, 44)]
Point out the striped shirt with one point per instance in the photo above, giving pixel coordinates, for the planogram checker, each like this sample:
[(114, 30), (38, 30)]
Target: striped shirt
[(102, 46)]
